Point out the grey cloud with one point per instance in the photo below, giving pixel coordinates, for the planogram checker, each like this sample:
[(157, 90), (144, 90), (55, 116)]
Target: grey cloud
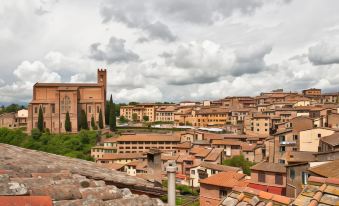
[(207, 62), (135, 15), (113, 52), (139, 13), (250, 60), (207, 12), (324, 53), (159, 31)]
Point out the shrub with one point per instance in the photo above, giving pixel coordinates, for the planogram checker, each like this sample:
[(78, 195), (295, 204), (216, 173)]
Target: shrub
[(35, 133)]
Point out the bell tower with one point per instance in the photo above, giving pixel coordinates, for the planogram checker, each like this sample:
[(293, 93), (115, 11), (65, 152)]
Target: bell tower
[(102, 80)]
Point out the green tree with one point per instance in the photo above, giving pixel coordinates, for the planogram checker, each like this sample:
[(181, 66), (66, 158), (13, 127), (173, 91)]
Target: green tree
[(68, 126), (94, 127), (145, 118), (123, 119), (83, 120), (112, 118), (135, 117), (240, 161), (41, 120), (101, 122)]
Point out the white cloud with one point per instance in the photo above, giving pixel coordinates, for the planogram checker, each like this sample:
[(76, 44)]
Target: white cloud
[(147, 94), (35, 72)]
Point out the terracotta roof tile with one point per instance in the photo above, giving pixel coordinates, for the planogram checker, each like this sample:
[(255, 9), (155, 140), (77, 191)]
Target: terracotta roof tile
[(251, 196), (218, 167), (269, 167), (149, 137), (329, 169), (224, 179), (214, 154), (117, 156), (319, 191), (226, 142)]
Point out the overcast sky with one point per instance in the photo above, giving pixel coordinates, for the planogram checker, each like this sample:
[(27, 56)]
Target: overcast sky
[(170, 50)]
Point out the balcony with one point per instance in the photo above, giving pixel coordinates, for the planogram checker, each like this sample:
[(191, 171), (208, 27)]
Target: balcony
[(287, 142)]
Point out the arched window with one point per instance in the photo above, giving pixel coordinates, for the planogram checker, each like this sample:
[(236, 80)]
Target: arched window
[(65, 104)]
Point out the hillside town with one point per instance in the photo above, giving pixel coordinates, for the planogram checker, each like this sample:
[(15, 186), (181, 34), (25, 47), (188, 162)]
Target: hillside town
[(277, 148), (169, 103)]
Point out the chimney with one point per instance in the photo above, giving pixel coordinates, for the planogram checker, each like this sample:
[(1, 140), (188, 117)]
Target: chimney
[(154, 166), (171, 171)]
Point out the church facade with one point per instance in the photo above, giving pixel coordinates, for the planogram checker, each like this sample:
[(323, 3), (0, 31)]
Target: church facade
[(56, 99)]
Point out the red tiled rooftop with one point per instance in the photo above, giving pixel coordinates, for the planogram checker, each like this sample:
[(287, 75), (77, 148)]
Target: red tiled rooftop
[(224, 179)]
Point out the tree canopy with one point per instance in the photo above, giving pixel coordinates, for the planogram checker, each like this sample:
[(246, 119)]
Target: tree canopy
[(71, 145), (240, 161)]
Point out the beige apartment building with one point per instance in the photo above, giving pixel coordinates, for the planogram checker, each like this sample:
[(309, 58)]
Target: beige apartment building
[(309, 139), (56, 99), (136, 143), (260, 125), (109, 146), (207, 117), (140, 111), (165, 113)]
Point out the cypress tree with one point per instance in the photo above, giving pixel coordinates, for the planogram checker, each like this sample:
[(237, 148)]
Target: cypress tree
[(107, 111), (112, 118), (101, 123), (83, 120), (93, 123), (68, 126), (41, 120)]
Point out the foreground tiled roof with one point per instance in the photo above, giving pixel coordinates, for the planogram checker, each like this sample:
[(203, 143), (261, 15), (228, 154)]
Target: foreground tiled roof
[(25, 201), (246, 196), (69, 181), (319, 191)]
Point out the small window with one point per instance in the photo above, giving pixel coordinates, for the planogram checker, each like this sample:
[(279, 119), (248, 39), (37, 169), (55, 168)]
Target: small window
[(222, 193), (282, 149), (35, 109), (292, 173), (192, 172), (278, 179), (319, 135), (89, 109), (53, 108), (304, 177), (261, 177)]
